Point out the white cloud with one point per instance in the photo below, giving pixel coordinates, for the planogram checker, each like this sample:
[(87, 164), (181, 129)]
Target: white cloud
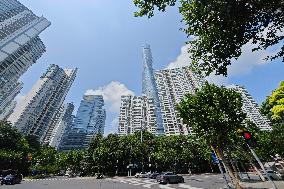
[(112, 94), (20, 98), (248, 60), (243, 65), (114, 126), (184, 60), (217, 79)]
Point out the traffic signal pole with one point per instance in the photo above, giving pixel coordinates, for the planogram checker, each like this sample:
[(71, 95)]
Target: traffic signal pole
[(220, 167), (262, 167), (249, 140)]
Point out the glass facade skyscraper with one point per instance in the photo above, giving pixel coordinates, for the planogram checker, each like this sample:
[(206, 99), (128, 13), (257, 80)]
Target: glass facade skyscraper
[(89, 121), (149, 86), (91, 115), (20, 47), (37, 112), (63, 120)]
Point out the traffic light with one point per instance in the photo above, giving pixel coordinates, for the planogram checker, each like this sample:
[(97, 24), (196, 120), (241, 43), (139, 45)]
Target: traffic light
[(249, 139), (247, 135)]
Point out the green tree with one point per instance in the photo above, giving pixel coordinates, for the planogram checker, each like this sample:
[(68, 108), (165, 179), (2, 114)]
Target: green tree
[(11, 138), (13, 148), (273, 106), (44, 160), (221, 27), (155, 153), (215, 114), (61, 160), (276, 100), (277, 138), (73, 160), (33, 142), (270, 143), (89, 165)]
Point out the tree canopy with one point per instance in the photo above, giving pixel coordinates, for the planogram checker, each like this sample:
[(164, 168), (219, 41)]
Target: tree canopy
[(273, 106), (164, 153), (215, 114), (219, 28), (13, 147)]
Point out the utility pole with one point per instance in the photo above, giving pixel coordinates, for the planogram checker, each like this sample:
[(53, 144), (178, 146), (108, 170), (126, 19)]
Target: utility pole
[(262, 167), (220, 167), (141, 138), (248, 137), (116, 171)]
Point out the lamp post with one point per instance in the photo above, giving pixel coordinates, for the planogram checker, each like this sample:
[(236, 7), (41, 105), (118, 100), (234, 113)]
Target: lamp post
[(116, 171), (141, 139), (149, 159)]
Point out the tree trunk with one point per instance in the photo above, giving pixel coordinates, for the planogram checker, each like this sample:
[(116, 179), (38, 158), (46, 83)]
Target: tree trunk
[(255, 168), (236, 172), (258, 172), (237, 166), (234, 179)]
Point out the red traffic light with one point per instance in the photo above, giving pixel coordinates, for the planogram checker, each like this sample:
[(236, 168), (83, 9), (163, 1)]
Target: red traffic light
[(247, 135)]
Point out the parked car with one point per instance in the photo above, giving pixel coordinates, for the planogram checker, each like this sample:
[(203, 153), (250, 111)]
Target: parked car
[(12, 179), (154, 175), (70, 174), (141, 175), (272, 174), (61, 173), (1, 180), (169, 177), (100, 176)]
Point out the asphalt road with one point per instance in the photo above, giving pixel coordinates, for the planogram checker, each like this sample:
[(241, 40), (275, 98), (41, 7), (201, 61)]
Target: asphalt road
[(191, 182)]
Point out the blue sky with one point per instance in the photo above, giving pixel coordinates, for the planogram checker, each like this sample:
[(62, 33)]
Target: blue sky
[(104, 40)]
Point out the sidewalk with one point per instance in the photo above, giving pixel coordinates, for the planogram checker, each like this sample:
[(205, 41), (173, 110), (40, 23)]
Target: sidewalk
[(262, 185)]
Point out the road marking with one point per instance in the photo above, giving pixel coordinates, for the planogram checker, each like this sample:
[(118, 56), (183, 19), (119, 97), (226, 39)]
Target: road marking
[(119, 180), (149, 183), (146, 183), (51, 179), (166, 187), (187, 186)]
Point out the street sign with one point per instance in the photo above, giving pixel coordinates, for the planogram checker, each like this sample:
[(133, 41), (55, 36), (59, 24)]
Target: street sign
[(215, 158)]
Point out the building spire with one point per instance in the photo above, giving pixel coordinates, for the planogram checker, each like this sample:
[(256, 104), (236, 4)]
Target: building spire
[(149, 86)]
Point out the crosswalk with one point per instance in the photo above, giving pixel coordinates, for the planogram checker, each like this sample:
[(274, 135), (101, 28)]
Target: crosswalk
[(151, 183), (47, 179), (56, 178), (142, 182)]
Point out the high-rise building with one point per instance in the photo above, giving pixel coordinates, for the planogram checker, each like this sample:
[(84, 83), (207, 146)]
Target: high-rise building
[(149, 86), (5, 113), (136, 113), (90, 117), (172, 86), (20, 47), (36, 113), (64, 120), (73, 139), (250, 107)]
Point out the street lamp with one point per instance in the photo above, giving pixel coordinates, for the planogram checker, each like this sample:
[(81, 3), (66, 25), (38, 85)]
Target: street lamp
[(149, 159), (141, 138), (116, 167)]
